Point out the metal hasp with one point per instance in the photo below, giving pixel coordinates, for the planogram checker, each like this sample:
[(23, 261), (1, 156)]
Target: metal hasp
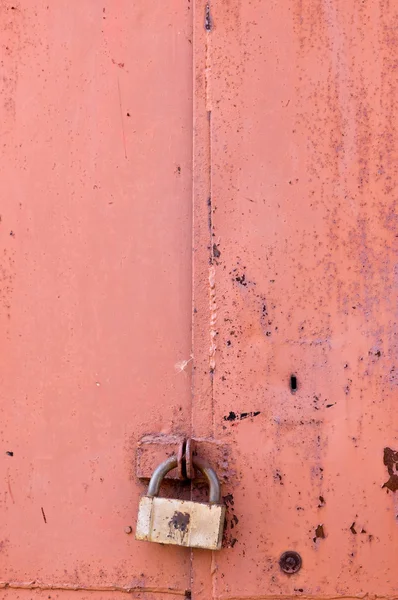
[(181, 522)]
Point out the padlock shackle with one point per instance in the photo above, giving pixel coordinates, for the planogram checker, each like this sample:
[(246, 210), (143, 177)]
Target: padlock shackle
[(171, 463), (158, 475)]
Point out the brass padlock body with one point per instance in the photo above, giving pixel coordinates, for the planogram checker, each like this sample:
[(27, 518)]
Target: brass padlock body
[(181, 522)]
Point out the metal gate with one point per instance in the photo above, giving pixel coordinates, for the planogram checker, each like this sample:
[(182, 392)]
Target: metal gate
[(271, 126)]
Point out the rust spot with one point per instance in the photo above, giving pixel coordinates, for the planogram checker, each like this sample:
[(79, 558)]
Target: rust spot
[(241, 279), (319, 533), (234, 521), (209, 215), (229, 500), (229, 537), (118, 64), (232, 416), (391, 461), (216, 251)]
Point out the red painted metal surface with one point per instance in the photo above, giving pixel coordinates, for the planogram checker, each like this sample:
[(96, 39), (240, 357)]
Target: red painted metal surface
[(294, 275), (95, 234), (295, 172)]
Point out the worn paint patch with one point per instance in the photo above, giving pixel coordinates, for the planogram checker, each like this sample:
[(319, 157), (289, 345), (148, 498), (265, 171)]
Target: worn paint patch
[(391, 461)]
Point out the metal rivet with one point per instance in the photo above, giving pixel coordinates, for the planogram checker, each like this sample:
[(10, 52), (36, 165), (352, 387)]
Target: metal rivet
[(128, 529), (290, 562)]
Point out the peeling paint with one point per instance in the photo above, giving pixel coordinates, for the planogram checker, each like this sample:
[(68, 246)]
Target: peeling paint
[(391, 461)]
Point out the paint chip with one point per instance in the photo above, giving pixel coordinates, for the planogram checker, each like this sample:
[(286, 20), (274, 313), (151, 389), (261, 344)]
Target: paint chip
[(390, 459)]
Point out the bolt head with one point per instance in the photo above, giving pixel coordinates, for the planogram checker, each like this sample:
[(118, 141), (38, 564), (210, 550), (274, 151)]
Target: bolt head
[(290, 562), (128, 529)]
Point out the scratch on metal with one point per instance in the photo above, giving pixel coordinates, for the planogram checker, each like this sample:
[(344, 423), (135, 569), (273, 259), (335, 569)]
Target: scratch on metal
[(36, 585)]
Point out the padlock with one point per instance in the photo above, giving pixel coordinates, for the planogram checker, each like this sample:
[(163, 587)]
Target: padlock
[(181, 522)]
